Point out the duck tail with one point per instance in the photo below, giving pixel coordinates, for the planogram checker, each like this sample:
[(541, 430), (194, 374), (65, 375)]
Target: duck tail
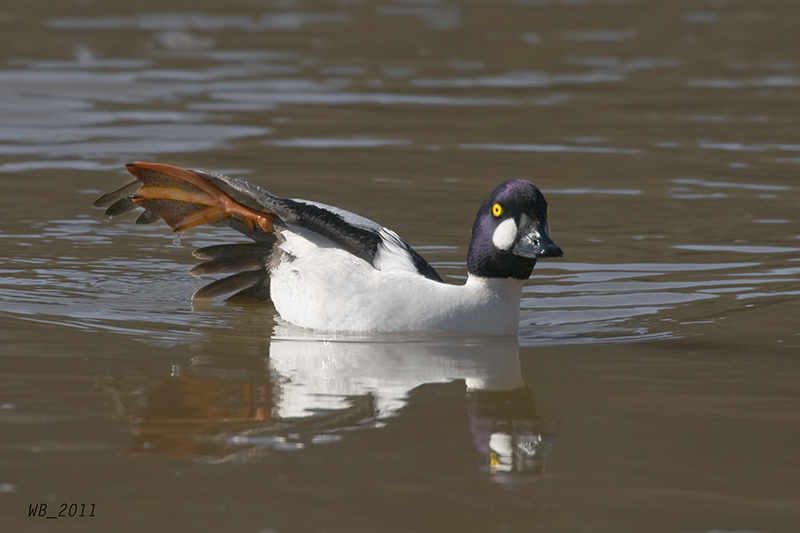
[(183, 198)]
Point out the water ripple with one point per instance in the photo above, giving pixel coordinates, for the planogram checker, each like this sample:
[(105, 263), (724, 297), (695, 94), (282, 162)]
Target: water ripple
[(612, 303), (358, 142), (742, 147), (548, 148), (199, 21), (259, 100), (436, 17), (520, 80), (768, 82), (730, 185), (737, 248)]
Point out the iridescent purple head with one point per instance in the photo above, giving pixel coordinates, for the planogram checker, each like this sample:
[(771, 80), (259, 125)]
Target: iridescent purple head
[(511, 232)]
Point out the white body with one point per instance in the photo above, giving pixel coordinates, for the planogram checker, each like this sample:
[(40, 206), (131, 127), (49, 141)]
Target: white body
[(316, 285)]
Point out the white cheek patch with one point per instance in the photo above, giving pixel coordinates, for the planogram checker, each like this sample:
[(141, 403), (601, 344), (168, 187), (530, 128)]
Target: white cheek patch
[(505, 234)]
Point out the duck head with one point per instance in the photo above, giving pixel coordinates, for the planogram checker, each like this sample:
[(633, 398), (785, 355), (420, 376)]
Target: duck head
[(511, 232)]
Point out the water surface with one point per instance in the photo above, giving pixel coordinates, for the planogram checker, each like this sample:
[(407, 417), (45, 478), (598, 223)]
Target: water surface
[(653, 384)]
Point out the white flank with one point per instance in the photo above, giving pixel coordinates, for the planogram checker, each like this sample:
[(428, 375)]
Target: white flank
[(322, 287)]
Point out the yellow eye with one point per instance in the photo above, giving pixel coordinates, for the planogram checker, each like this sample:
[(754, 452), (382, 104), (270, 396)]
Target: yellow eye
[(497, 210)]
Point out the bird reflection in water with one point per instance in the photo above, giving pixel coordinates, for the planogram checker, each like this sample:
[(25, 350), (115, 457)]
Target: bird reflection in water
[(313, 389), (508, 432)]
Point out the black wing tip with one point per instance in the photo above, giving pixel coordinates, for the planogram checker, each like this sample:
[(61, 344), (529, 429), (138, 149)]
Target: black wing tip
[(232, 284), (229, 266), (115, 195), (244, 249), (123, 205), (247, 266), (147, 217)]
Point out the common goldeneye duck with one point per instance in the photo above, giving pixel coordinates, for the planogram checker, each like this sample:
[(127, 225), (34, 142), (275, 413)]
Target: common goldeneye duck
[(327, 269)]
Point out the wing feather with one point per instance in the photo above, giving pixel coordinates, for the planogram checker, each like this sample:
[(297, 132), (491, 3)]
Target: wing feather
[(186, 198)]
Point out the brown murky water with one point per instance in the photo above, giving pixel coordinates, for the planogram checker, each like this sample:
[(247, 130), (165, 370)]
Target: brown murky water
[(655, 384)]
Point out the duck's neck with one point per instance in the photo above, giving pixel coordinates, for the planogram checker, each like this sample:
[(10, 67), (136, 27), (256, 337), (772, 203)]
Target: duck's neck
[(487, 261), (496, 303), (506, 287)]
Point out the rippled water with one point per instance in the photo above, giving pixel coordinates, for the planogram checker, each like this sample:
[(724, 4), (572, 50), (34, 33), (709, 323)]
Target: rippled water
[(653, 385)]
